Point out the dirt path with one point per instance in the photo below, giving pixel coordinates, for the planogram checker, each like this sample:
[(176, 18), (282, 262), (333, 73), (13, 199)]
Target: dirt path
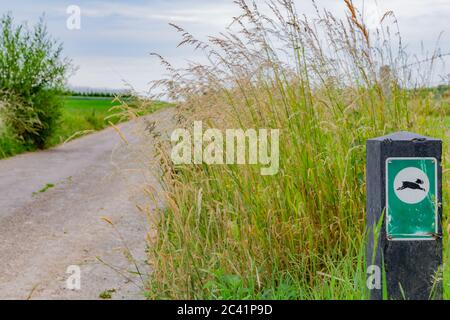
[(43, 233)]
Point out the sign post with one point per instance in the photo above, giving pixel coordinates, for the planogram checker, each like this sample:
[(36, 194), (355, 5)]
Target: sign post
[(404, 214)]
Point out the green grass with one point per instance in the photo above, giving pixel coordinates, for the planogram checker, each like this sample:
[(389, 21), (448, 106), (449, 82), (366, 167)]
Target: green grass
[(9, 145), (107, 294), (47, 187), (80, 116)]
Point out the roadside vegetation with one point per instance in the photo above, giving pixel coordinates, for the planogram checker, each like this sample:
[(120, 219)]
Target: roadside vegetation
[(33, 72), (329, 85), (36, 111), (80, 115), (83, 115)]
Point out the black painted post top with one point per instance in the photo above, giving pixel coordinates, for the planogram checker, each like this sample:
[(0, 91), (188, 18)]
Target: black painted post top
[(404, 136), (404, 192)]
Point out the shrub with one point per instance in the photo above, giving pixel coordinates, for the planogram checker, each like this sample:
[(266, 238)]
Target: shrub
[(32, 74)]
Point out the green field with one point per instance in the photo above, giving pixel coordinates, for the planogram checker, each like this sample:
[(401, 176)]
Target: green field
[(83, 114), (80, 116)]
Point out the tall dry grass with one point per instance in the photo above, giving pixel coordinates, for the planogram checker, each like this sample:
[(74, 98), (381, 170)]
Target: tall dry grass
[(328, 84)]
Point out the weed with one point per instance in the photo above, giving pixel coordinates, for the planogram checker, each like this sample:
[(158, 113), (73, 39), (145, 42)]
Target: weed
[(44, 189), (107, 294)]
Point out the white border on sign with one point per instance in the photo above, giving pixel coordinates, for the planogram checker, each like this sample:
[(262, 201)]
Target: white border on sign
[(436, 212)]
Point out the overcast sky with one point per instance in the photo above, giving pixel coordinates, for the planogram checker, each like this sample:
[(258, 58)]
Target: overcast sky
[(116, 37)]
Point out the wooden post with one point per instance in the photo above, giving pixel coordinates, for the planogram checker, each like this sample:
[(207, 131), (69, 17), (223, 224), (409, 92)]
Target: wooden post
[(404, 195)]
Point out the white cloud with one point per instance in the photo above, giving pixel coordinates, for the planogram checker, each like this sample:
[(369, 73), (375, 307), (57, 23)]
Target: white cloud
[(116, 37), (198, 12)]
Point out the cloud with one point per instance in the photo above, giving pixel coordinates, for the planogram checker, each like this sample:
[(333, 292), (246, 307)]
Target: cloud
[(117, 36), (200, 12)]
